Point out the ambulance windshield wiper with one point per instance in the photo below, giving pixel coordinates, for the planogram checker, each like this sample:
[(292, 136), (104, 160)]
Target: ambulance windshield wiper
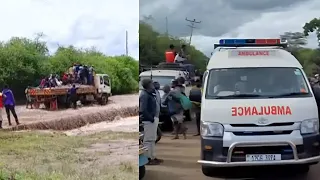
[(289, 94), (237, 96)]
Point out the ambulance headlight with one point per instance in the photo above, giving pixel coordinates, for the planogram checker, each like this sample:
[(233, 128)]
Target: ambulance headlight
[(309, 126), (211, 129)]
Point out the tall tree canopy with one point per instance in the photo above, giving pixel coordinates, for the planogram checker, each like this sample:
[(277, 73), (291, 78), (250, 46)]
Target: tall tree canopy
[(312, 26)]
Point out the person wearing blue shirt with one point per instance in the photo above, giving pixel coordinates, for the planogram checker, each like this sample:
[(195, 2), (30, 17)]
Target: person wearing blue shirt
[(9, 104), (148, 116)]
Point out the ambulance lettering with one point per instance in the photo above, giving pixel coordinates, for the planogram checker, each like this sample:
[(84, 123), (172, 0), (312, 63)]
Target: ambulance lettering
[(253, 53), (263, 110)]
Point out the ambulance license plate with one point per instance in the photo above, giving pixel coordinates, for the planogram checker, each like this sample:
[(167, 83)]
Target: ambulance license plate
[(263, 157)]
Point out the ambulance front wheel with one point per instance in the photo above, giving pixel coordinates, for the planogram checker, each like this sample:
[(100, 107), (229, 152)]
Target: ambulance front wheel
[(209, 171), (142, 172), (303, 169)]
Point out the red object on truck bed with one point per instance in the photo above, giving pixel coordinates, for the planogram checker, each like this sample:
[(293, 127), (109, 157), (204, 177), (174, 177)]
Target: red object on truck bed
[(61, 90)]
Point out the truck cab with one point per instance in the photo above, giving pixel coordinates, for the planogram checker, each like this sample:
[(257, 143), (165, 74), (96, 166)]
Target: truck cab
[(103, 83), (257, 108), (163, 77)]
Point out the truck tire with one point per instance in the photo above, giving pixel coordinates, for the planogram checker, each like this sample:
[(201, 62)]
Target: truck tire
[(142, 172), (104, 99)]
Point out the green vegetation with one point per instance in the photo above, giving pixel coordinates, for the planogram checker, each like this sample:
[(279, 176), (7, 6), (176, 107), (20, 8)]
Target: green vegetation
[(24, 62), (43, 156), (152, 46)]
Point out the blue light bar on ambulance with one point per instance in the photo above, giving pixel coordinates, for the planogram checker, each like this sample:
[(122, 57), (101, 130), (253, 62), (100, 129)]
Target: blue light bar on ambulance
[(250, 43)]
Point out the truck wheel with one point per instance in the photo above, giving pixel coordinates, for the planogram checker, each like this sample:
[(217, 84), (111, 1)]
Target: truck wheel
[(142, 172), (47, 105), (104, 99)]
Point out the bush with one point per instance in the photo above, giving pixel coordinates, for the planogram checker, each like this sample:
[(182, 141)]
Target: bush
[(23, 62)]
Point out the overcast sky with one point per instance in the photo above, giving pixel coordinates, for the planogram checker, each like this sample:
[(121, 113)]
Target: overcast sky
[(82, 23), (231, 18)]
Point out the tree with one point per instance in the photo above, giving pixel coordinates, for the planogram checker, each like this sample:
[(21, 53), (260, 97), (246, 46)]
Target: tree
[(152, 46), (295, 40), (23, 62), (312, 26)]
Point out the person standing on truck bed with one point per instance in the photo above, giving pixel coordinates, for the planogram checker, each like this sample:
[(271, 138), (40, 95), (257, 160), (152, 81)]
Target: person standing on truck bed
[(170, 54), (90, 75), (73, 96), (9, 104), (85, 72), (182, 55), (147, 114)]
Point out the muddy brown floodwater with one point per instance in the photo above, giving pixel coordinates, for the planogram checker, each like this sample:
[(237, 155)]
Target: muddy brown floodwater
[(180, 163), (129, 124), (36, 115)]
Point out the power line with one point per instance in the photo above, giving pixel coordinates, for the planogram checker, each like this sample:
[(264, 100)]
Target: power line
[(192, 26)]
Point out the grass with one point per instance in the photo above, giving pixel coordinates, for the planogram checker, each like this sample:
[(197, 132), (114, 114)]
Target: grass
[(43, 156)]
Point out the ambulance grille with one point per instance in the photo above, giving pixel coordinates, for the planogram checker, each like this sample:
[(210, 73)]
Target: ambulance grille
[(262, 133), (254, 125), (241, 151)]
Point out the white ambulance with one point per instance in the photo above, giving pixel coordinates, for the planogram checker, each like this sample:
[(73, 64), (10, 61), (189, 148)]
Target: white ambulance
[(257, 108)]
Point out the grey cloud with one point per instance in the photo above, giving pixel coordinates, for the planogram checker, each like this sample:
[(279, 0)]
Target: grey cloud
[(218, 16), (252, 5)]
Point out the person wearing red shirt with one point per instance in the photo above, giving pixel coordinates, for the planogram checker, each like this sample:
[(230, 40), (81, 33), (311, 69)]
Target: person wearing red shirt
[(65, 78), (170, 54)]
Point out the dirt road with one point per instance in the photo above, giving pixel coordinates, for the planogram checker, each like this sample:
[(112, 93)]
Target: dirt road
[(33, 115), (180, 163)]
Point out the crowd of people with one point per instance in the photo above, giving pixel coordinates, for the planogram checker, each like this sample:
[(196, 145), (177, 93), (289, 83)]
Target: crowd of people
[(150, 105), (78, 73)]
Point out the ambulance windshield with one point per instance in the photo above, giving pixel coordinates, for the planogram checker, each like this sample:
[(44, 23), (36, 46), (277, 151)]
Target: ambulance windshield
[(265, 82)]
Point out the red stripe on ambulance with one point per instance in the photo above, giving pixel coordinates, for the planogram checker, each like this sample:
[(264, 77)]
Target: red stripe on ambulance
[(263, 110)]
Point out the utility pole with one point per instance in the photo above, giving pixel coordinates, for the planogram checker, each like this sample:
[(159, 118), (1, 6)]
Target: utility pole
[(192, 26), (167, 31), (127, 51)]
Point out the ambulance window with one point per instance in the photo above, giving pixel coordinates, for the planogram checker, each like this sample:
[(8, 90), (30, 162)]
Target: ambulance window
[(256, 83)]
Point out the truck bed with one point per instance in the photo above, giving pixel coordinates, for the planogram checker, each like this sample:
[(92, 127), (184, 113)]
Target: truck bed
[(60, 90)]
